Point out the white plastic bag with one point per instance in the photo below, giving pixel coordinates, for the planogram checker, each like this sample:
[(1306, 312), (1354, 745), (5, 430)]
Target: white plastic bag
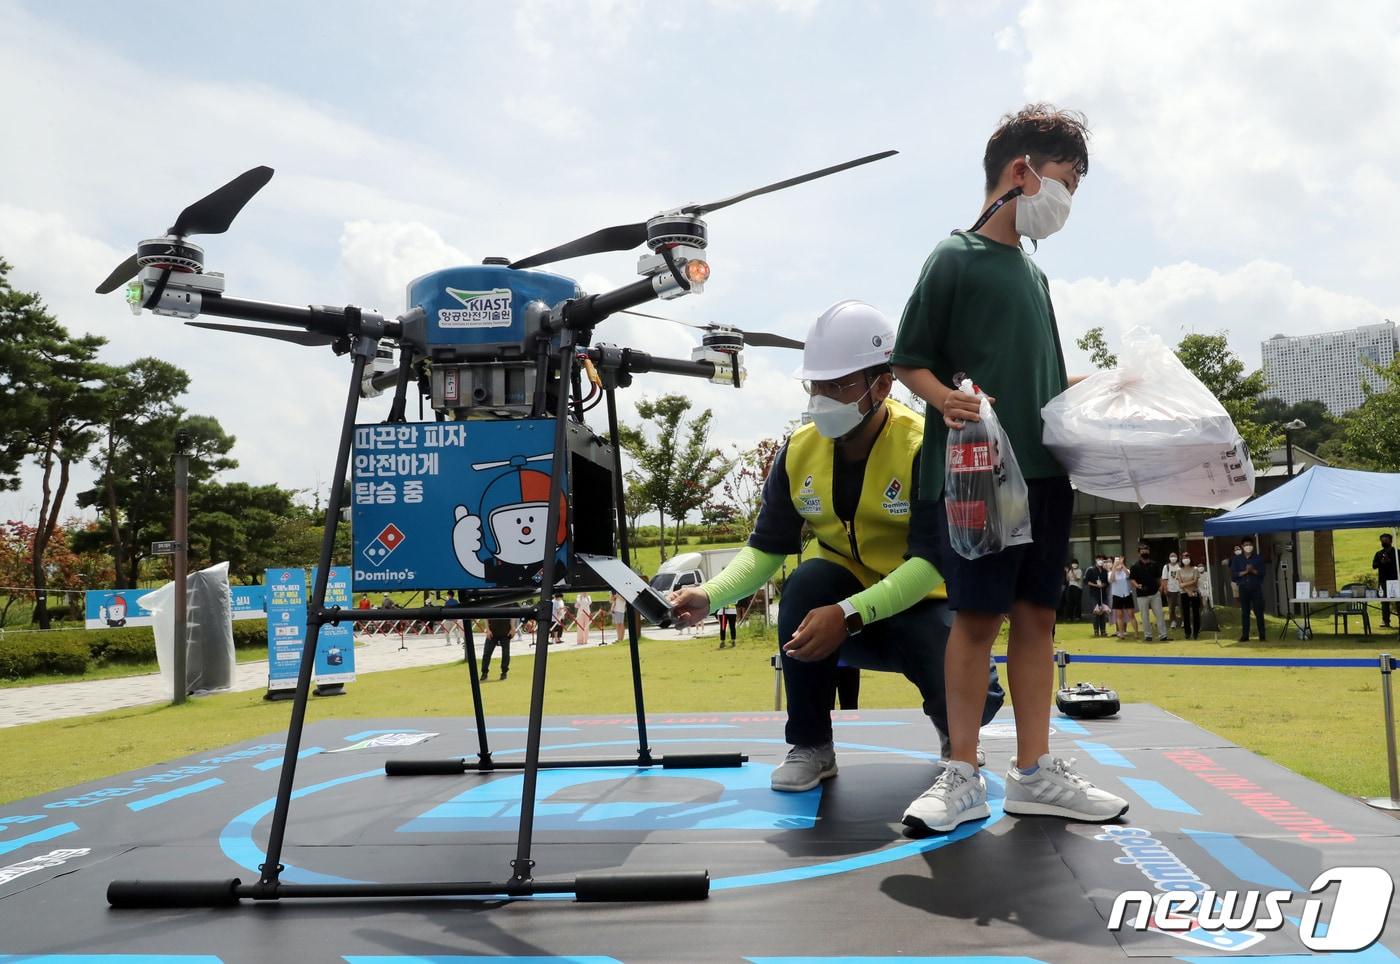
[(1149, 432), (209, 655), (984, 492)]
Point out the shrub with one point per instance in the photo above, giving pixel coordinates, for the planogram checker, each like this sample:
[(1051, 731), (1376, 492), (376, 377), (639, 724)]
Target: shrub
[(120, 641), (58, 653), (250, 634)]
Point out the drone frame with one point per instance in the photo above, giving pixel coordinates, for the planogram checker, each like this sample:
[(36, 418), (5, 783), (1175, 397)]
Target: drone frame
[(572, 321)]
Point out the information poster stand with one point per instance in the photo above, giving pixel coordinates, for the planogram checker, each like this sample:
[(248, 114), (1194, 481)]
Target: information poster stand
[(286, 630), (335, 647)]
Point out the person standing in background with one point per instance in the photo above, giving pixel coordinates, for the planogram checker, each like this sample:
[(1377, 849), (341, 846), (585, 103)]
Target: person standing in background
[(1074, 591), (618, 606), (1096, 581), (1146, 577), (1189, 582), (498, 633), (583, 617), (1169, 572), (1247, 573), (1387, 567), (729, 617), (1120, 585), (558, 613)]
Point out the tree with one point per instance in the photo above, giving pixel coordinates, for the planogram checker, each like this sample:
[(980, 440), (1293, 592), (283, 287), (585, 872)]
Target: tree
[(1210, 359), (1323, 435), (64, 569), (634, 503), (142, 474), (1372, 431), (252, 527), (1096, 345), (51, 384), (674, 478), (139, 403), (743, 487)]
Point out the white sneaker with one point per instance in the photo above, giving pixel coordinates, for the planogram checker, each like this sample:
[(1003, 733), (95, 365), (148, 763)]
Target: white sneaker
[(804, 768), (958, 795), (1057, 790)]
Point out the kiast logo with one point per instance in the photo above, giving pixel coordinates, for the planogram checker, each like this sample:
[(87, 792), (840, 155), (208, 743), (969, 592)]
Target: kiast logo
[(480, 309), (390, 538)]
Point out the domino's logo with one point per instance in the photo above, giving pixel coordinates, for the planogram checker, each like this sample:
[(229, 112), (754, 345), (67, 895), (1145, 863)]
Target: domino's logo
[(382, 547)]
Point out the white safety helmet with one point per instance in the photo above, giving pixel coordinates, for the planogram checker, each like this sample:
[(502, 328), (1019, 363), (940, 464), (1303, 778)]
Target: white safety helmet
[(850, 336)]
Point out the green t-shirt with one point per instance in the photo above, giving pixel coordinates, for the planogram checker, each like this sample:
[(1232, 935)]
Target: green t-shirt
[(983, 307)]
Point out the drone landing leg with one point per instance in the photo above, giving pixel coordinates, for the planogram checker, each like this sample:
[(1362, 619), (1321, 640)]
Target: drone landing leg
[(483, 756), (623, 542), (522, 866)]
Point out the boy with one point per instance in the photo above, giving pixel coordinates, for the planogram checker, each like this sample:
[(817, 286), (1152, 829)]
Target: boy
[(983, 307)]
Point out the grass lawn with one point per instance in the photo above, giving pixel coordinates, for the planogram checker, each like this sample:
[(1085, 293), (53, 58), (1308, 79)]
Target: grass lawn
[(1322, 723), (1353, 550)]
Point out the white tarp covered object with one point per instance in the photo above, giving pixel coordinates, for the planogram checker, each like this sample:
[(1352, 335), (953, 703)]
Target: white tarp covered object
[(1149, 432), (209, 659)]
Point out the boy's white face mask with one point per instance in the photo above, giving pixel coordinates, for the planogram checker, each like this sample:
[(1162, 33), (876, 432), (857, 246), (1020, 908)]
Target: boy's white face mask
[(1041, 214)]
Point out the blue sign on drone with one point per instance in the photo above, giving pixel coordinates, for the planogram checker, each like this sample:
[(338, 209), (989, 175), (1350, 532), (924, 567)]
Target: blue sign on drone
[(453, 505)]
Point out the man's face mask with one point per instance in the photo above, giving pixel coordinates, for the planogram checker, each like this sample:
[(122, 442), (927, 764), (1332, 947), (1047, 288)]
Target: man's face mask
[(1173, 557), (836, 419), (1041, 214)]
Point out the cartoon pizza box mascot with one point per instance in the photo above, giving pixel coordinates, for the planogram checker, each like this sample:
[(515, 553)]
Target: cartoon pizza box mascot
[(504, 543), (116, 612)]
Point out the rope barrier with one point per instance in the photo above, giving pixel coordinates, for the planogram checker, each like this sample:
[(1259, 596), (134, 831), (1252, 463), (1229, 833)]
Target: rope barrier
[(1298, 662)]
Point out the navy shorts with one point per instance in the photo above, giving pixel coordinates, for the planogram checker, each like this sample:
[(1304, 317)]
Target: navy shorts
[(1033, 573)]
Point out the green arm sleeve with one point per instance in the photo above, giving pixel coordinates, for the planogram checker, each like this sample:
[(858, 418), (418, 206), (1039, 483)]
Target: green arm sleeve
[(744, 576), (913, 580)]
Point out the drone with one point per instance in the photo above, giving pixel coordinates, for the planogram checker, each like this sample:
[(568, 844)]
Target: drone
[(507, 494)]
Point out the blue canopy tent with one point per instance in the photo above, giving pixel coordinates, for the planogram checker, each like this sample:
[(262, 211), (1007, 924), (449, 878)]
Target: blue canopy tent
[(1320, 498)]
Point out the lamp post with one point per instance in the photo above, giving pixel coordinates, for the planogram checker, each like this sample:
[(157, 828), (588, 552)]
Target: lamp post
[(180, 530), (1296, 425)]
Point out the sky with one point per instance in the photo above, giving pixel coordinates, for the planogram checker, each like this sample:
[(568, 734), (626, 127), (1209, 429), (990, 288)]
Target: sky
[(1243, 174)]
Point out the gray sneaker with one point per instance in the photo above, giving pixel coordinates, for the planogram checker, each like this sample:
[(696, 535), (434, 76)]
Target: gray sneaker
[(1058, 790), (804, 768), (958, 795), (945, 749)]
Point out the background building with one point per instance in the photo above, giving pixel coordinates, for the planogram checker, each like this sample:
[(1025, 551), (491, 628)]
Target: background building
[(1328, 367)]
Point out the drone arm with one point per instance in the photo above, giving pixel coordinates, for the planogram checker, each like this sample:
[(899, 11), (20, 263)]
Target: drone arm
[(633, 361), (318, 318)]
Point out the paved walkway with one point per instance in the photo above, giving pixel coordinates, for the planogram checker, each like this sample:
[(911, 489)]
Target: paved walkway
[(373, 654)]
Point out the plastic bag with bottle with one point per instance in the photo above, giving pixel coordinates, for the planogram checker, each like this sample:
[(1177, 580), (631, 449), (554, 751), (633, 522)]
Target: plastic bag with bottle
[(985, 494)]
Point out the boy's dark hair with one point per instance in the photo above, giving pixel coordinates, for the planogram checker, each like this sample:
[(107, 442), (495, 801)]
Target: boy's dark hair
[(1044, 132)]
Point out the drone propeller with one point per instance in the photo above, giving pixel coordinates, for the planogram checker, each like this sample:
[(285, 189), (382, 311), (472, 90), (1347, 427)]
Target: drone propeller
[(624, 237), (756, 339), (211, 214), (312, 339)]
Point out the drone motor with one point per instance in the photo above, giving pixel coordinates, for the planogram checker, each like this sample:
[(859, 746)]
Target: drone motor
[(176, 254)]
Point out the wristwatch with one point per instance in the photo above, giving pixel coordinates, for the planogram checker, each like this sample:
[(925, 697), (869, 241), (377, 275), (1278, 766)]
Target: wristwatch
[(854, 623)]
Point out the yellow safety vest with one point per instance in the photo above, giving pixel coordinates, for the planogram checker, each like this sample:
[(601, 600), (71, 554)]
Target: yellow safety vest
[(873, 544)]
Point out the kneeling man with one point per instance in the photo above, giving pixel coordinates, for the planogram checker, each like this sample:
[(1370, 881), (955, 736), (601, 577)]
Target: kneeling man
[(869, 596)]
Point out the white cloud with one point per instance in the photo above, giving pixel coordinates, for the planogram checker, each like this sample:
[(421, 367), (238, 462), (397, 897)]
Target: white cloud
[(1252, 302), (1245, 129)]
